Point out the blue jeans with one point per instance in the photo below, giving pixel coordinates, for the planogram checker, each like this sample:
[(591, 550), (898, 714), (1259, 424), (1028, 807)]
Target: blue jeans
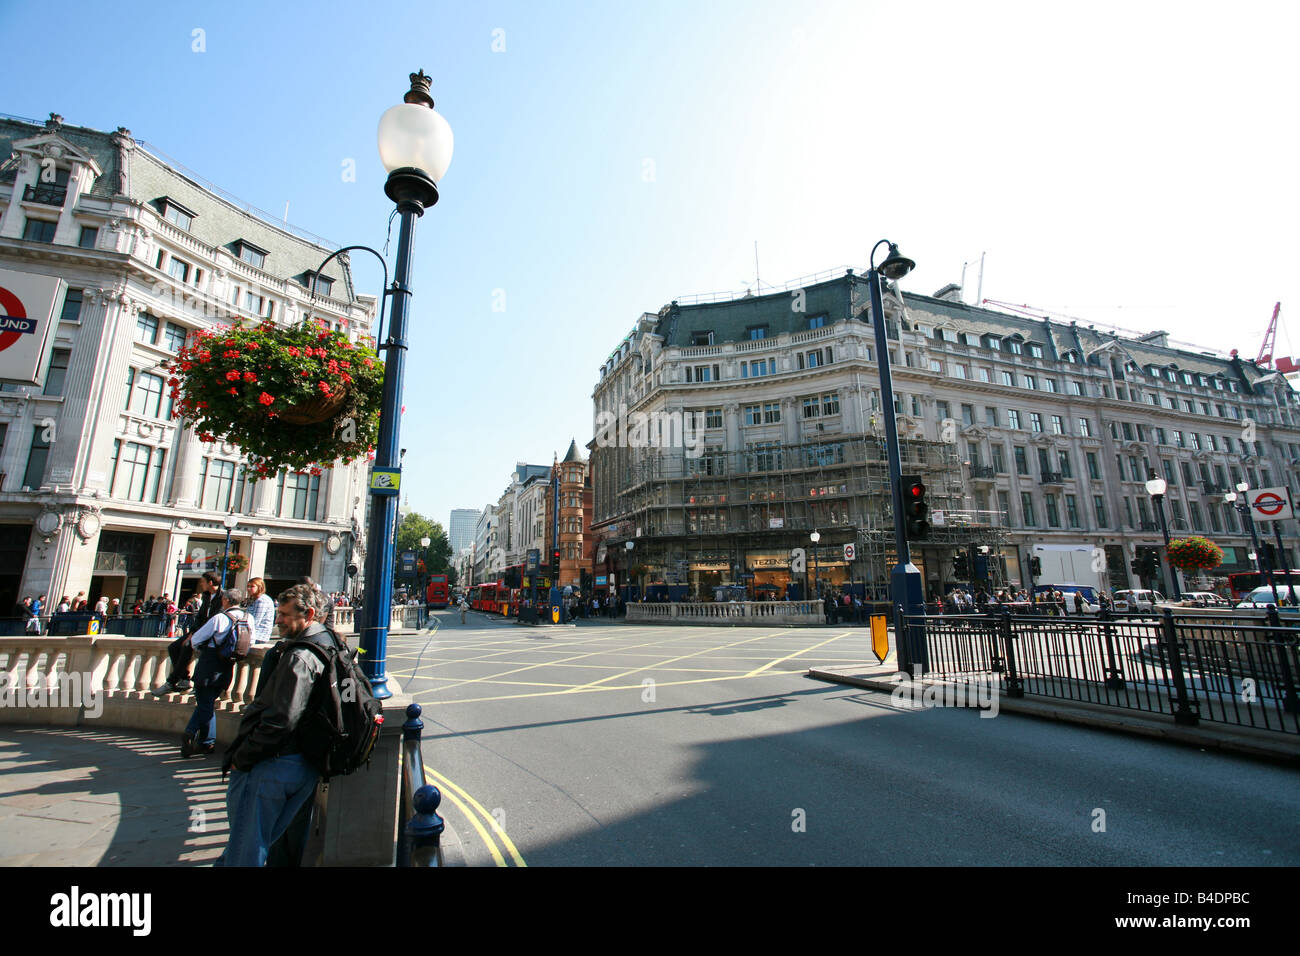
[(211, 678), (261, 804)]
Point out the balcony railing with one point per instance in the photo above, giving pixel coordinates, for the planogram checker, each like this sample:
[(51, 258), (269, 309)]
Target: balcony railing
[(48, 194), (1053, 478), (982, 472)]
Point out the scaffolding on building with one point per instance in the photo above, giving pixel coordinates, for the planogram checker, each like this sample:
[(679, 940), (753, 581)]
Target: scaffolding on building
[(713, 512)]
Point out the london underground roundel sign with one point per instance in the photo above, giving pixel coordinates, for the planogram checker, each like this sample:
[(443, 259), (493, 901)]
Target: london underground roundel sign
[(14, 323), (1271, 504)]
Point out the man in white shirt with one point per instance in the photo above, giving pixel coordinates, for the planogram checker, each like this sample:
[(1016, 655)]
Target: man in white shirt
[(261, 611), (213, 643)]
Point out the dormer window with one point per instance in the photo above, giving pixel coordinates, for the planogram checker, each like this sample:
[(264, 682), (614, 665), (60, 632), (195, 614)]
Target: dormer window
[(816, 321), (245, 251), (48, 192), (702, 338), (757, 332), (1035, 350), (177, 214), (1014, 347), (319, 284)]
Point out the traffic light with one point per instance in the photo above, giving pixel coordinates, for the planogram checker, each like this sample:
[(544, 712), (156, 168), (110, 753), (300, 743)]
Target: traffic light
[(1036, 566), (960, 568), (555, 564), (915, 510), (1137, 566)]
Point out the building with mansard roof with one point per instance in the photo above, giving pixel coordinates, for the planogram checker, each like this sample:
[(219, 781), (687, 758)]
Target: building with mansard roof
[(1025, 431), (101, 489)]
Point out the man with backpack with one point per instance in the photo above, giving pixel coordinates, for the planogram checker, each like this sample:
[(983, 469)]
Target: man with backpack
[(217, 643), (291, 734), (181, 651)]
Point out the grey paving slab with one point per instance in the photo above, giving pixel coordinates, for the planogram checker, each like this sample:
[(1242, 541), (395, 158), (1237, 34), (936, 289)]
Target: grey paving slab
[(81, 797)]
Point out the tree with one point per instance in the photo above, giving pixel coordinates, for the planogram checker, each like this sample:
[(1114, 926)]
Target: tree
[(437, 557)]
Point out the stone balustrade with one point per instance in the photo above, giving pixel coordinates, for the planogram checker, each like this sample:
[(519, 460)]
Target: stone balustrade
[(730, 613)]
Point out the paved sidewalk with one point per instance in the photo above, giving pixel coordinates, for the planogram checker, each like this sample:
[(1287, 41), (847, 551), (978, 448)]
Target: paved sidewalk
[(1207, 735), (78, 797)]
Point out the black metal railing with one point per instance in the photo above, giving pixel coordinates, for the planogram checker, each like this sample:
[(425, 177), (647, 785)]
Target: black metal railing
[(419, 842), (73, 624), (983, 472), (47, 194), (1213, 666), (1053, 478)]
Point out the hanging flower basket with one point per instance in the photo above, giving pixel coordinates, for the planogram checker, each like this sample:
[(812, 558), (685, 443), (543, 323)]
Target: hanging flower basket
[(234, 563), (289, 396), (1194, 554)]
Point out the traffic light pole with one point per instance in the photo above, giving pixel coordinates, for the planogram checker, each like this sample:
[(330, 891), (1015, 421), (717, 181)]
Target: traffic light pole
[(1281, 557), (905, 580)]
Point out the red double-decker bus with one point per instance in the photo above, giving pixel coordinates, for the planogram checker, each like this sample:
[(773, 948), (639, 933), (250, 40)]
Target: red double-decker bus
[(492, 597), (437, 594)]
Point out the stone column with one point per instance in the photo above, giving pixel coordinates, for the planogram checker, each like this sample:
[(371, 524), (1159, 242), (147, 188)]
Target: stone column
[(257, 557), (85, 429), (264, 498), (336, 498), (731, 417), (29, 171), (186, 485)]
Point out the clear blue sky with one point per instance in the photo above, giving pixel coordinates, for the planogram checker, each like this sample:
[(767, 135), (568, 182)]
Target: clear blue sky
[(1123, 163)]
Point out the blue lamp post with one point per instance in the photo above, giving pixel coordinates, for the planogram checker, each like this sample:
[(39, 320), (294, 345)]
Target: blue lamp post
[(415, 145), (905, 580), (231, 521)]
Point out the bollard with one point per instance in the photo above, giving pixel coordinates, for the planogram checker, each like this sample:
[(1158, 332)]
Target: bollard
[(412, 780), (425, 827)]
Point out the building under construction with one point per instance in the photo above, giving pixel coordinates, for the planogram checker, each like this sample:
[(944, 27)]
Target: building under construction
[(781, 438)]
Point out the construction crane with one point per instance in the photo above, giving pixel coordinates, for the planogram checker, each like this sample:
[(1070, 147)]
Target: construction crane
[(1284, 364)]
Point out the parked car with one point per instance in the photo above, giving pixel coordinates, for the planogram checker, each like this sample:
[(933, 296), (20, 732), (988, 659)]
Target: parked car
[(1137, 600), (1204, 599), (1262, 597)]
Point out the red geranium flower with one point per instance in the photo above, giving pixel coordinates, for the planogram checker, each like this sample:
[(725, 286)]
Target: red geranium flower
[(232, 376), (250, 377), (266, 399), (234, 391)]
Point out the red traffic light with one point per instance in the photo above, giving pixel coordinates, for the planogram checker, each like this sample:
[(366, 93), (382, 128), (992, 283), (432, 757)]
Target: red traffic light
[(916, 490)]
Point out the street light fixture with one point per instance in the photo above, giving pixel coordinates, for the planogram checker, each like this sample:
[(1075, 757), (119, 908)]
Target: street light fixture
[(1261, 564), (906, 592), (415, 146), (817, 584), (1156, 487), (231, 521)]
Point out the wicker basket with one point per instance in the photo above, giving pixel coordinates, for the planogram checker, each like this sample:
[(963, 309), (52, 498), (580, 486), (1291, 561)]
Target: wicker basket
[(320, 409)]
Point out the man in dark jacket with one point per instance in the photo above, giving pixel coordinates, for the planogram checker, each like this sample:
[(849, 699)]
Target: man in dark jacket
[(180, 651), (271, 778)]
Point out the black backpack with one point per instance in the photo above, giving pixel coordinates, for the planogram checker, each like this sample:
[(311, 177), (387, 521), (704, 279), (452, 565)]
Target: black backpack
[(343, 719)]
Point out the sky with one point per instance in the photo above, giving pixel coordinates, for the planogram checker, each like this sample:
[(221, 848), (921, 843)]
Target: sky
[(1129, 164)]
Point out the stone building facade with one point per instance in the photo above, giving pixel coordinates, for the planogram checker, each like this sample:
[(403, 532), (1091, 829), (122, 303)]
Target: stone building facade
[(101, 490), (1025, 431)]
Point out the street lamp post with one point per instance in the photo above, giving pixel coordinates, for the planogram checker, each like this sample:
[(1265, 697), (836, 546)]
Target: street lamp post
[(423, 576), (415, 145), (905, 580), (1156, 487), (1238, 500), (817, 584), (231, 521)]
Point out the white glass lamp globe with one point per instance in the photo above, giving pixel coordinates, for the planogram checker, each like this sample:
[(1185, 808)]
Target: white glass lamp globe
[(816, 536), (230, 521), (1156, 487), (424, 542), (417, 137)]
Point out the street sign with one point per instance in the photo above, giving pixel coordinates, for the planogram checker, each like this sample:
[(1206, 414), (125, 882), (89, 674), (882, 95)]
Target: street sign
[(1270, 504), (850, 552), (385, 481), (936, 519), (534, 558), (406, 564)]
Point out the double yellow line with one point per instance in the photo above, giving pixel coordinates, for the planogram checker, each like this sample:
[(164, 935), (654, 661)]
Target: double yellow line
[(492, 829)]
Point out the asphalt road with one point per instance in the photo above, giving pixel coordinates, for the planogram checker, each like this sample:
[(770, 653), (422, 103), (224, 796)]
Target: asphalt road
[(618, 745)]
